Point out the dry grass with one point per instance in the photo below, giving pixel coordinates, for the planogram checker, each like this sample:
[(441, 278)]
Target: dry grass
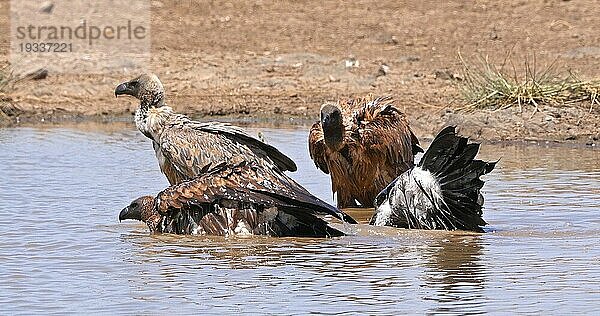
[(486, 86), (6, 78)]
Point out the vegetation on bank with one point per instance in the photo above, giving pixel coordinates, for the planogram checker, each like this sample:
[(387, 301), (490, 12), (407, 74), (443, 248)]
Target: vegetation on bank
[(487, 86), (7, 78)]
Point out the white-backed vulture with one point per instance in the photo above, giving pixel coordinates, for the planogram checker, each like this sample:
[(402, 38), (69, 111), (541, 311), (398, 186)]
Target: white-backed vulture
[(442, 192), (230, 200), (363, 144), (184, 147)]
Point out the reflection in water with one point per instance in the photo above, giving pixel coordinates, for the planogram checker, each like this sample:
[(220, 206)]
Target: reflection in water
[(64, 251), (457, 274)]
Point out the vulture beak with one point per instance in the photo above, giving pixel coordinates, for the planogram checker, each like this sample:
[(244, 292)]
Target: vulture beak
[(123, 214), (124, 88), (129, 213)]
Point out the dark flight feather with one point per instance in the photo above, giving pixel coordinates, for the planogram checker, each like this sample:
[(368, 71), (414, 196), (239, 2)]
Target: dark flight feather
[(442, 192)]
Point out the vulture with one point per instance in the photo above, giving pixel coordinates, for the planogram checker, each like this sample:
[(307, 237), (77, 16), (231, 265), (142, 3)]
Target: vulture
[(240, 199), (184, 147), (441, 192), (363, 144)]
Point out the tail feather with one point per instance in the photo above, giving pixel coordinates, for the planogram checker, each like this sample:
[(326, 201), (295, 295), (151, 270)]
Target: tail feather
[(442, 150), (452, 161)]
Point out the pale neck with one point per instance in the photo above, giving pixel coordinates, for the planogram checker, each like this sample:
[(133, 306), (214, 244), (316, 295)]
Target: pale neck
[(151, 121)]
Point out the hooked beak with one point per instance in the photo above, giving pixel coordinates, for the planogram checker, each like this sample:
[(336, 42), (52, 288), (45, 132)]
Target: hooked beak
[(124, 88), (123, 214)]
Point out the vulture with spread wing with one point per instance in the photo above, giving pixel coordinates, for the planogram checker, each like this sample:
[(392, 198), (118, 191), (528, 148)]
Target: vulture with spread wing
[(185, 147), (363, 144), (236, 200), (442, 192)]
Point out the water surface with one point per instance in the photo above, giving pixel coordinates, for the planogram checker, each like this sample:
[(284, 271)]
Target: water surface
[(62, 249)]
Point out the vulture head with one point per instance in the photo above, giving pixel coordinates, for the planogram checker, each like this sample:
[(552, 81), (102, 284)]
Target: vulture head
[(142, 209), (332, 123), (146, 87)]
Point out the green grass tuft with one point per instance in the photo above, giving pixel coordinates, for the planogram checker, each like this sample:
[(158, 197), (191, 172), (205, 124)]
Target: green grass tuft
[(486, 86)]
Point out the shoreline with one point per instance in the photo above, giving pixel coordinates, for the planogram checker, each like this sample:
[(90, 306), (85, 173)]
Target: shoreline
[(38, 120)]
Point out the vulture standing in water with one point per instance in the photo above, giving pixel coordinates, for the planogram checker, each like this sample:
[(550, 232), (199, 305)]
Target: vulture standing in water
[(442, 192), (185, 147), (235, 200), (363, 144)]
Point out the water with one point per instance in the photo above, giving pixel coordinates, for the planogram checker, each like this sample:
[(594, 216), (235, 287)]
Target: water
[(62, 249)]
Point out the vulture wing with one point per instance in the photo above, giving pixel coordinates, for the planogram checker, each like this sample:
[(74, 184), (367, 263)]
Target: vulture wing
[(385, 134), (245, 184), (317, 147), (187, 147), (283, 162)]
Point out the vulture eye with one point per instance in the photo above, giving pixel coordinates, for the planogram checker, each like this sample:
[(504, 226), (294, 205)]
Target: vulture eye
[(134, 205)]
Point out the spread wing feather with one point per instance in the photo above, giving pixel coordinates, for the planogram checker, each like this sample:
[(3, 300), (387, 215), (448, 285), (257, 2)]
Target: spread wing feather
[(316, 147), (246, 184), (189, 146), (283, 162)]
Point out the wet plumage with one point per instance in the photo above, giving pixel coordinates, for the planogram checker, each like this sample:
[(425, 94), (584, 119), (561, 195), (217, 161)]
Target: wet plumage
[(243, 199), (185, 147), (442, 192), (363, 144)]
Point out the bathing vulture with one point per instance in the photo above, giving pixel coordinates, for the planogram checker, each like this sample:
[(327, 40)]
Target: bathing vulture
[(363, 144), (185, 147), (236, 200), (442, 192)]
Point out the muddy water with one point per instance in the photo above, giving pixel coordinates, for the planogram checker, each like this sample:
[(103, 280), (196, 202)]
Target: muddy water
[(62, 249)]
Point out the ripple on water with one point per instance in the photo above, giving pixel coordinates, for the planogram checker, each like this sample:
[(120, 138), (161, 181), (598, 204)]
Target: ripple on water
[(62, 249)]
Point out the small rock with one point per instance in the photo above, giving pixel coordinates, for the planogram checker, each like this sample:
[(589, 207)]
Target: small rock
[(352, 63), (277, 110), (333, 79), (392, 40), (47, 7), (494, 34), (444, 74), (383, 70), (39, 74), (549, 118)]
